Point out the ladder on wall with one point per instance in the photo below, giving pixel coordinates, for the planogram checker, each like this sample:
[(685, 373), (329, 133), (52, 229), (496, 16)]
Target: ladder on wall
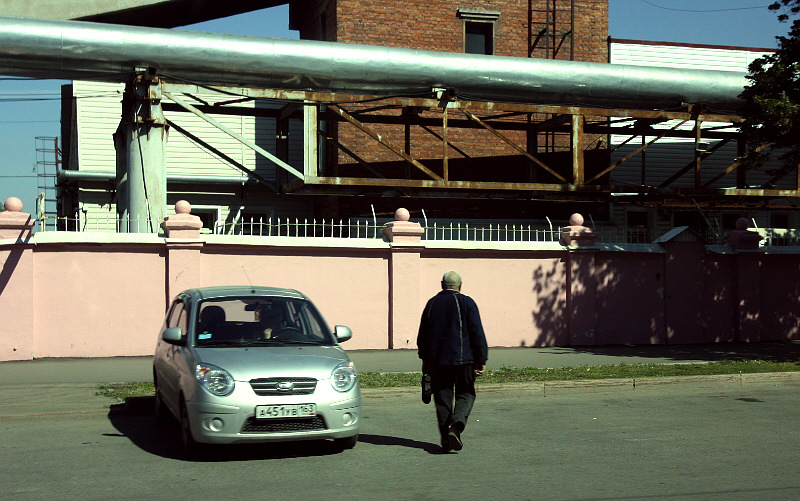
[(551, 35)]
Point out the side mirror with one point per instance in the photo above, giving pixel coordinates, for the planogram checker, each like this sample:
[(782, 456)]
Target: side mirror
[(173, 335), (342, 333)]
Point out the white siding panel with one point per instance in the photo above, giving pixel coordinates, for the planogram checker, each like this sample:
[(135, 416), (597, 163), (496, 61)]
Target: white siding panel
[(669, 155), (689, 57), (665, 159), (98, 114), (98, 110)]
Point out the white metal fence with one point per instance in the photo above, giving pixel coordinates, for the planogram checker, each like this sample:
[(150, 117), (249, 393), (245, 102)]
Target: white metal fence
[(490, 232), (472, 231), (98, 224), (302, 228)]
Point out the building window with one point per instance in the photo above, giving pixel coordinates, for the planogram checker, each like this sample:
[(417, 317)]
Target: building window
[(779, 220), (209, 215), (254, 222), (478, 31), (478, 38)]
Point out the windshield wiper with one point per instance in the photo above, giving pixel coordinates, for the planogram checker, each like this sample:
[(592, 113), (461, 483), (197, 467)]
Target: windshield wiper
[(212, 344), (262, 341)]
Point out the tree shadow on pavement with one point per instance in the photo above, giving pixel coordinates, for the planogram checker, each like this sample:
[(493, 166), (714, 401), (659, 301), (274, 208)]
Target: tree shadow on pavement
[(773, 351), (135, 419)]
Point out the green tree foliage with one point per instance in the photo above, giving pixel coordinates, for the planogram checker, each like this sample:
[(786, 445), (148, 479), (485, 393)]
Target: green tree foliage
[(772, 109)]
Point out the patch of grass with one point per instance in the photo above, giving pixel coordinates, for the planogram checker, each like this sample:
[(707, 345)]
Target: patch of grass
[(517, 375), (505, 375), (121, 391)]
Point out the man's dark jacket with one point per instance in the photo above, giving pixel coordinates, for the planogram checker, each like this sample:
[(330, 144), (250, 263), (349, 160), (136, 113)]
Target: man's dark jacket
[(450, 331)]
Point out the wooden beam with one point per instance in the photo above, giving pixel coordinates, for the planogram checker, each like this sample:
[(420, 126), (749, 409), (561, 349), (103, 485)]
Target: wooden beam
[(577, 149)]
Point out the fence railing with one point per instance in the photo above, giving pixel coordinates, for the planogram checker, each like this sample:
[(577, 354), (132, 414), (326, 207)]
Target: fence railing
[(98, 224), (472, 231), (301, 228), (490, 232)]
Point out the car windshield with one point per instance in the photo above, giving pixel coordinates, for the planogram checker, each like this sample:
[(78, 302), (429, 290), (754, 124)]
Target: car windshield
[(259, 321)]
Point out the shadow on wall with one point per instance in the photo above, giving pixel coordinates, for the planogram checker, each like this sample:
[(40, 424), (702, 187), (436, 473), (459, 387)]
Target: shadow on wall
[(549, 316), (9, 265)]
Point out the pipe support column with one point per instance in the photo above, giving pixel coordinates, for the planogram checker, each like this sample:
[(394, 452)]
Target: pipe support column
[(141, 142)]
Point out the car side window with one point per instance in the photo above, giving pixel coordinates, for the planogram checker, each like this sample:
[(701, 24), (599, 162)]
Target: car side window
[(313, 327), (177, 315)]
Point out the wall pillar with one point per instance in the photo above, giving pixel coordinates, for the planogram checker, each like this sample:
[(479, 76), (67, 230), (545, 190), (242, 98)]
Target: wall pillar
[(17, 327), (405, 240), (183, 269), (747, 327)]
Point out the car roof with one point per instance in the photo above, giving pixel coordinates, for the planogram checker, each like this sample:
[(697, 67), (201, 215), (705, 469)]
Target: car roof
[(242, 290)]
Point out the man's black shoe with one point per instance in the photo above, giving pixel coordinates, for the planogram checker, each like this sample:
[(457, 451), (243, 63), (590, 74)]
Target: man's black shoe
[(445, 446), (454, 437), (427, 390)]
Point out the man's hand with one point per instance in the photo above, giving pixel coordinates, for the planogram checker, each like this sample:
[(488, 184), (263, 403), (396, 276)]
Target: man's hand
[(479, 369)]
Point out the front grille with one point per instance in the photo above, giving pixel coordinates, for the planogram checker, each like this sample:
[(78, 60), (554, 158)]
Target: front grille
[(253, 425), (271, 386)]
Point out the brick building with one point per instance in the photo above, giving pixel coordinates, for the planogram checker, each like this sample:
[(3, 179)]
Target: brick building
[(553, 29)]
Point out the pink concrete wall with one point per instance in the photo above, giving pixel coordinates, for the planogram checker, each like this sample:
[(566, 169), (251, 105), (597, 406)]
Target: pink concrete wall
[(99, 301), (520, 295), (16, 303), (349, 286), (779, 287), (91, 295), (630, 299)]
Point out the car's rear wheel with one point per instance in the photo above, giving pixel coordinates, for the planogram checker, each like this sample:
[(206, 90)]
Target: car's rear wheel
[(346, 443)]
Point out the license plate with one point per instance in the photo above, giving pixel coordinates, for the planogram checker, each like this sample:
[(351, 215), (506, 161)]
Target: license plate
[(285, 411)]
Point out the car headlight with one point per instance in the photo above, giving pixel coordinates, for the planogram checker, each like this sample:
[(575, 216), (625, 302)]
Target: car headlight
[(344, 377), (214, 379)]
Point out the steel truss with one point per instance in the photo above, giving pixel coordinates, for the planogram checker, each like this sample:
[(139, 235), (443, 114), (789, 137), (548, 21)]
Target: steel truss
[(584, 133)]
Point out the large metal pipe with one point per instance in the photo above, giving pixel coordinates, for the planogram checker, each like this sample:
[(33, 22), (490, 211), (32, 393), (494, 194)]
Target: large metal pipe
[(91, 51)]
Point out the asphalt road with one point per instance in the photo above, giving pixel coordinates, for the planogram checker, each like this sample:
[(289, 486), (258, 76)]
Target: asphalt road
[(704, 439)]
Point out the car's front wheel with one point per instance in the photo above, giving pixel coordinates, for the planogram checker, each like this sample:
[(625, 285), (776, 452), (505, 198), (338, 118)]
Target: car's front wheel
[(162, 413), (190, 447)]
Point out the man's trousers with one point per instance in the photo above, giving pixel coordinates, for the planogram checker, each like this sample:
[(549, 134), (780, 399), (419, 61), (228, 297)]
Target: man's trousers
[(453, 394)]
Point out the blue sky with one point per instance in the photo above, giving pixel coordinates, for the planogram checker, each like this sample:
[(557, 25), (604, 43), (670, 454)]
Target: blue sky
[(32, 108)]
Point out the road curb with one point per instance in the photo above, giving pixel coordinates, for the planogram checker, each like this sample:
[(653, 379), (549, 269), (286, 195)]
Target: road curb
[(544, 388), (79, 399)]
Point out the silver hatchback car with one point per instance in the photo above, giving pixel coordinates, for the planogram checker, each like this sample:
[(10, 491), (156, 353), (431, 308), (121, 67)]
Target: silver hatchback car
[(254, 364)]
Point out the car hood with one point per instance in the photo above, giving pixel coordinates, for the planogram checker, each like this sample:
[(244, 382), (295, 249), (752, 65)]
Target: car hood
[(254, 362)]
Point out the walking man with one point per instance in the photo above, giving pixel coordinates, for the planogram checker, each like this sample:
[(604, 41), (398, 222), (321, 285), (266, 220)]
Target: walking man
[(453, 349)]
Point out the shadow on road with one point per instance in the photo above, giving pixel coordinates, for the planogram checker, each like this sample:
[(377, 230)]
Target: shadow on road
[(398, 441), (136, 420)]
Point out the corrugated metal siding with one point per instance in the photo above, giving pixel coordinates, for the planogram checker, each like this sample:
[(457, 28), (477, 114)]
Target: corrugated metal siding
[(98, 115), (664, 159), (669, 155), (98, 110), (689, 57)]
